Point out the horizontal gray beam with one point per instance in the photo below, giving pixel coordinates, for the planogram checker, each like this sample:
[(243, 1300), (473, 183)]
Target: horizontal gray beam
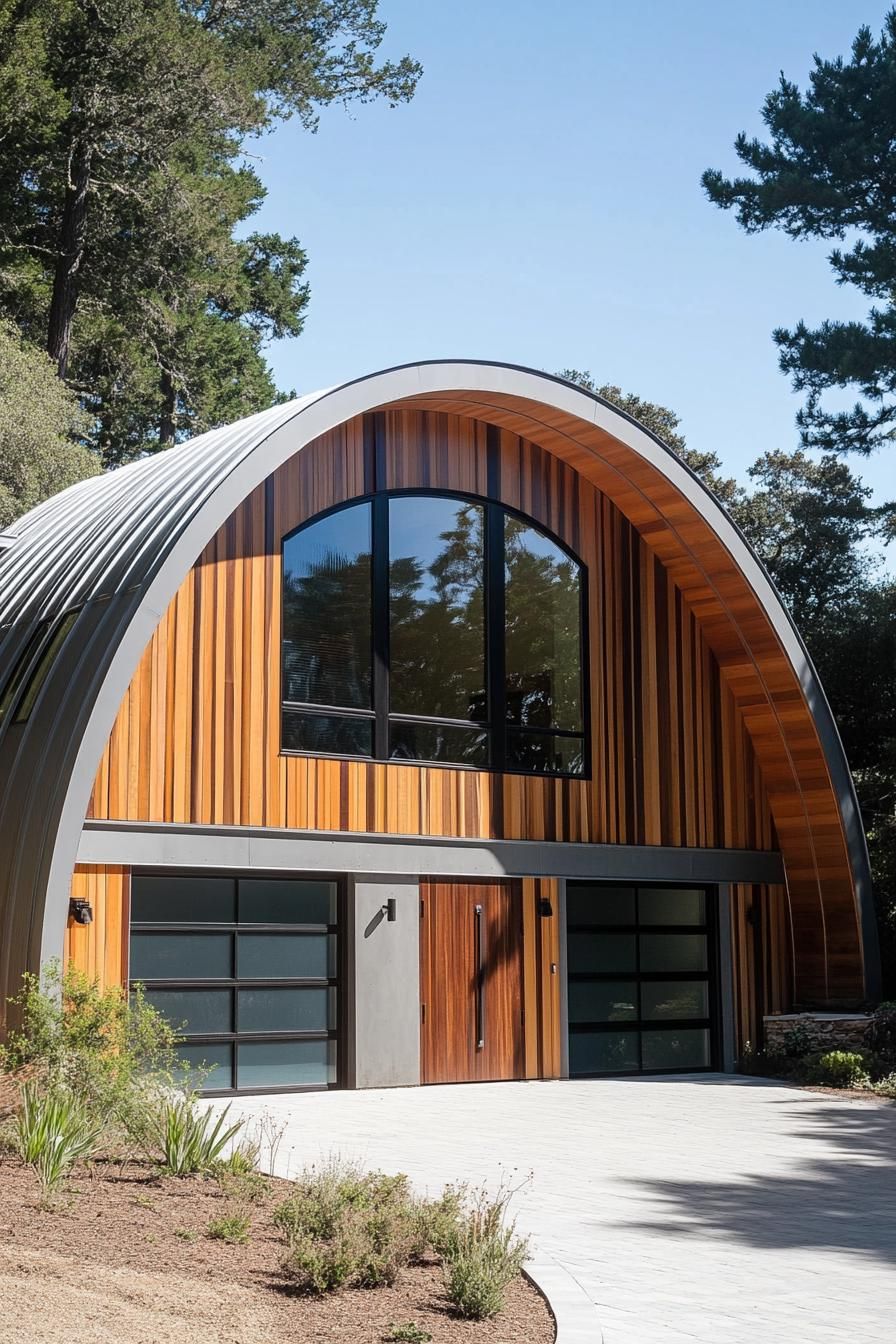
[(157, 845)]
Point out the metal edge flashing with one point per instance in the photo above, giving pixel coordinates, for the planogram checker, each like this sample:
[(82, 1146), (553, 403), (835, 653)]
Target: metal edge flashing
[(162, 844)]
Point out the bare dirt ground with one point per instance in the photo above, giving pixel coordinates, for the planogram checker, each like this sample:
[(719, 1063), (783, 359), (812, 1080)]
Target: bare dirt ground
[(124, 1258)]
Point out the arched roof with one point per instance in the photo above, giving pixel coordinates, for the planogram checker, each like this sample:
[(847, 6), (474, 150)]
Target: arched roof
[(118, 546)]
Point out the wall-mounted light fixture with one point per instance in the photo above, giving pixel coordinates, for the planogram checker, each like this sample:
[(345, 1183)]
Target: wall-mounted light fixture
[(545, 909), (80, 911), (390, 910)]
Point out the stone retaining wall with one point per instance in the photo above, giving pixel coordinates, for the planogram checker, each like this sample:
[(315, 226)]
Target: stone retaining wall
[(826, 1031)]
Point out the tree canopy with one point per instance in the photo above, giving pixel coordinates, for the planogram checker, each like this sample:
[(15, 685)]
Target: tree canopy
[(808, 520), (664, 424), (827, 172), (126, 188), (40, 420)]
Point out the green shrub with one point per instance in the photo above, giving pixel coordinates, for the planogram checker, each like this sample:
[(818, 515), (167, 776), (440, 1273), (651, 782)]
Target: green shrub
[(886, 1086), (325, 1265), (367, 1248), (111, 1051), (322, 1194), (231, 1227), (191, 1141), (409, 1333), (9, 1141), (882, 1032), (54, 1131), (440, 1221), (796, 1043), (242, 1160), (346, 1227), (837, 1068), (247, 1187), (783, 1057), (487, 1257)]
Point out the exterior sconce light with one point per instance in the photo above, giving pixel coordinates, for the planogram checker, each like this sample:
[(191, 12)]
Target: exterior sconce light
[(545, 909), (80, 911), (389, 910)]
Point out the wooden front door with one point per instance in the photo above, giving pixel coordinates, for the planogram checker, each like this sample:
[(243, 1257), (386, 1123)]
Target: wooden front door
[(471, 981)]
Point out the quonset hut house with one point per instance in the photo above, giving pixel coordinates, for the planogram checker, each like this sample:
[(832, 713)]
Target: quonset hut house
[(439, 726)]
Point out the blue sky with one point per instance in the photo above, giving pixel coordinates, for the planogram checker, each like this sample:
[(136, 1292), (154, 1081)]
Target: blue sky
[(539, 202)]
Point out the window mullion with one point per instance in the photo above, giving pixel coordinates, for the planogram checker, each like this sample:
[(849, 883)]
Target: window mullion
[(494, 630), (380, 535)]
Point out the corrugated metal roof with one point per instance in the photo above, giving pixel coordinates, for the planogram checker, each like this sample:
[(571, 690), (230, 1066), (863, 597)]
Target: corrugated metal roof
[(110, 532)]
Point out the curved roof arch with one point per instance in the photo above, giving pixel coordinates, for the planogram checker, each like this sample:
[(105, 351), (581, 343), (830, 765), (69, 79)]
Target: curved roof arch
[(118, 546)]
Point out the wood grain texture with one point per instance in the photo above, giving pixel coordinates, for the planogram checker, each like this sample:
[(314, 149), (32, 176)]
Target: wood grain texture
[(700, 733), (448, 982), (762, 970), (100, 949), (541, 985)]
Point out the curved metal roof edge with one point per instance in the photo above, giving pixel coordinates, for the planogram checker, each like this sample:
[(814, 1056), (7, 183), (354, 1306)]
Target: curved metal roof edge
[(229, 473)]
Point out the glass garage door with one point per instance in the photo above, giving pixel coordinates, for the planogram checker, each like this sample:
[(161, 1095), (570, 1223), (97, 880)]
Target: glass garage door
[(640, 979), (246, 968)]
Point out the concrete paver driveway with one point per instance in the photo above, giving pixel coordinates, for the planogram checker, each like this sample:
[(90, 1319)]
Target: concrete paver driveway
[(712, 1209)]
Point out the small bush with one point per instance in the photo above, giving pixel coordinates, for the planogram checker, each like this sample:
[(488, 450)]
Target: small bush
[(191, 1141), (837, 1068), (111, 1051), (231, 1227), (54, 1131), (242, 1160), (9, 1140), (782, 1058), (346, 1227), (486, 1259), (321, 1196), (409, 1333), (882, 1032), (441, 1220), (886, 1086), (246, 1187), (796, 1042)]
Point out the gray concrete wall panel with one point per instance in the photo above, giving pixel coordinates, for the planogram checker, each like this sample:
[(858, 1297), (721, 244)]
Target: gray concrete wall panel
[(385, 983)]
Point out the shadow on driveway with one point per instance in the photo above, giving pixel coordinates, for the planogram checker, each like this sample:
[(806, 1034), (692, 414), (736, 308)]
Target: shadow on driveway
[(843, 1198)]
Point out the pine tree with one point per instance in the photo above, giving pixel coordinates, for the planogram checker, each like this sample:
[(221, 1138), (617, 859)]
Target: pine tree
[(827, 172)]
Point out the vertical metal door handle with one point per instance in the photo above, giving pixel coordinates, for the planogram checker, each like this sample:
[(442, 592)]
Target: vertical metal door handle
[(480, 977)]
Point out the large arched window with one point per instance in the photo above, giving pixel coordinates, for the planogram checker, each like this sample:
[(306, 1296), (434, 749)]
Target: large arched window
[(434, 628)]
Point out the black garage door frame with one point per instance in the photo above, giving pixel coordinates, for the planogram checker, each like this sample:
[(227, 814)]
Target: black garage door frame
[(709, 927), (334, 982)]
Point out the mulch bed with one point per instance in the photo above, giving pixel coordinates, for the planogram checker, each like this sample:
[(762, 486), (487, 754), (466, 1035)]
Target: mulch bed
[(124, 1256)]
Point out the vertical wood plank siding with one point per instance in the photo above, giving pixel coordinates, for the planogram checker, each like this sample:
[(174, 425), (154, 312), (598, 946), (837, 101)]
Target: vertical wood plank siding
[(197, 738), (755, 668), (693, 742), (100, 949), (541, 987)]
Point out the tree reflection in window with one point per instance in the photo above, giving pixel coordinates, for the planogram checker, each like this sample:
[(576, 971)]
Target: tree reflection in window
[(436, 608), (327, 612), (476, 618), (543, 615)]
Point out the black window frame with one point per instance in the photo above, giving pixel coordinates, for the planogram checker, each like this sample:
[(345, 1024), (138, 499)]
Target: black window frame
[(334, 983), (638, 1025), (495, 725)]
